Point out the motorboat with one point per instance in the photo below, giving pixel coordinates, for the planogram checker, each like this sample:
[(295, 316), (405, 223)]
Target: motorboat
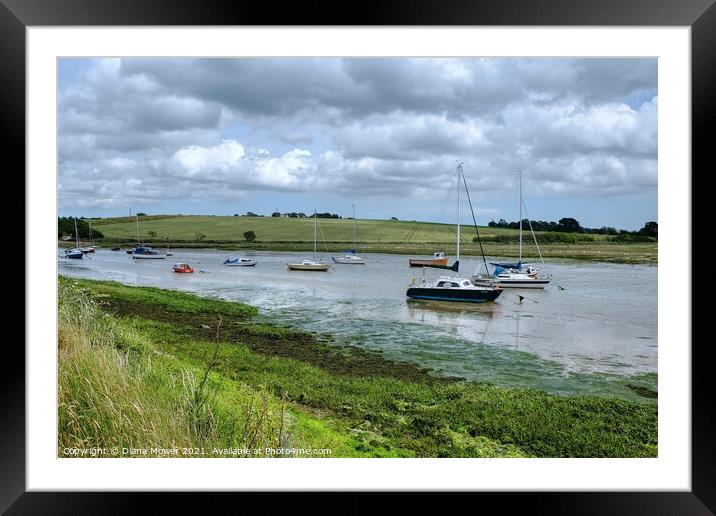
[(182, 267), (239, 262)]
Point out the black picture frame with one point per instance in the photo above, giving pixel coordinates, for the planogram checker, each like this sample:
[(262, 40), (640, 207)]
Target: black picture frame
[(700, 15)]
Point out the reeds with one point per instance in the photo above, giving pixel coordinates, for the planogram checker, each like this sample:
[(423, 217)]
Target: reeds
[(115, 392)]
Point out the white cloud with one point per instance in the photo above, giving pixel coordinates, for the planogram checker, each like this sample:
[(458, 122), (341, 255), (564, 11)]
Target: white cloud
[(385, 128)]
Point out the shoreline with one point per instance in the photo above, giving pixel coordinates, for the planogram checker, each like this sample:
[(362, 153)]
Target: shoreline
[(606, 252), (355, 400)]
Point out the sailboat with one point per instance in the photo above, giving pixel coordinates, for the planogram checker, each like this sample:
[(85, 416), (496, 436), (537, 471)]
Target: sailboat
[(76, 253), (351, 259), (91, 247), (455, 288), (310, 265), (516, 274), (144, 252)]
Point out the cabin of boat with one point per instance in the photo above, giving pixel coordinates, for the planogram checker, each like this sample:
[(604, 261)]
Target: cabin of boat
[(182, 267), (240, 262), (438, 258), (308, 265)]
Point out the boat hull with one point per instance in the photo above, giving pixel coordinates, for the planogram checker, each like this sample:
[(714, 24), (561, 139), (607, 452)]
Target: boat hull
[(446, 294), (74, 256), (423, 263), (356, 261), (149, 256), (521, 283), (239, 263), (183, 271), (302, 267)]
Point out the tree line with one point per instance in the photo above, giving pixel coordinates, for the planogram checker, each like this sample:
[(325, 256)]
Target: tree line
[(570, 225), (292, 215), (66, 226)]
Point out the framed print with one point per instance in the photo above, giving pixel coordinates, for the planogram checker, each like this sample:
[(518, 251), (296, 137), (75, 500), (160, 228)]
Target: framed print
[(244, 164)]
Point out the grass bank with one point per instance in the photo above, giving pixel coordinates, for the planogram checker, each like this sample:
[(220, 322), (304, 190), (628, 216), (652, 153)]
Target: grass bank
[(132, 360), (379, 236)]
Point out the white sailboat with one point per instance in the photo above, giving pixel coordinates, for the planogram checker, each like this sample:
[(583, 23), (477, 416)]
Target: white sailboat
[(516, 274), (350, 257), (314, 264)]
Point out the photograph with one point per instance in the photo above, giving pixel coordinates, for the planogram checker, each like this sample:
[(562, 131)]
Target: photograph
[(357, 257)]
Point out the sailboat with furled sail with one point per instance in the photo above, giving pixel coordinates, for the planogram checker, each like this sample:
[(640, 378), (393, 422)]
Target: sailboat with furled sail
[(350, 257), (516, 274), (455, 288), (314, 264)]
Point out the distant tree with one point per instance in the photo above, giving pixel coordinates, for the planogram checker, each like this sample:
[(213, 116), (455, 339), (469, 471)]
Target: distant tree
[(301, 215), (650, 229), (66, 226), (236, 214), (141, 214), (393, 218), (249, 236), (569, 225), (275, 214), (251, 214)]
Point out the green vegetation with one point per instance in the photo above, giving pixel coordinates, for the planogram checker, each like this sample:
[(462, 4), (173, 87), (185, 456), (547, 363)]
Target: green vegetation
[(389, 236), (132, 360), (66, 226)]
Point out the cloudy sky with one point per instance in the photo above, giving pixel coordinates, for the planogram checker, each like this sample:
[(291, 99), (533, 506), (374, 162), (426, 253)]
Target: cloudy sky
[(224, 136)]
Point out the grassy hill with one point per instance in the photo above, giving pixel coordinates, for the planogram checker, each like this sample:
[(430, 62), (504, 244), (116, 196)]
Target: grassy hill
[(279, 229)]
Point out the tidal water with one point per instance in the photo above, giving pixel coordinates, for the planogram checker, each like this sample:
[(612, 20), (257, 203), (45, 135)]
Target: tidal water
[(597, 335)]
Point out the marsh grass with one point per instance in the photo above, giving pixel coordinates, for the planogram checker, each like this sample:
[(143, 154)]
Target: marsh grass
[(115, 390)]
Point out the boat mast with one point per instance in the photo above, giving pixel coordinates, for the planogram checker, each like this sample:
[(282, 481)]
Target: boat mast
[(138, 242), (520, 215), (90, 233), (355, 226), (459, 175), (315, 219), (77, 234)]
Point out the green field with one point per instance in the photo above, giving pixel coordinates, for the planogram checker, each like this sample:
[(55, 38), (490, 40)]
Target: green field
[(279, 229), (405, 237), (148, 367)]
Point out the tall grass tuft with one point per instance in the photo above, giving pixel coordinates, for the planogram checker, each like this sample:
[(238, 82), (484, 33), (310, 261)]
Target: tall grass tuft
[(115, 391)]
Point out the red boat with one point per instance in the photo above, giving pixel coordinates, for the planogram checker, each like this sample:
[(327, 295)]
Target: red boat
[(182, 267)]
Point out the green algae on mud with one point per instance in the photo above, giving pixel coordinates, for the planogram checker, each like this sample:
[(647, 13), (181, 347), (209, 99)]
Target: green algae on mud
[(360, 404)]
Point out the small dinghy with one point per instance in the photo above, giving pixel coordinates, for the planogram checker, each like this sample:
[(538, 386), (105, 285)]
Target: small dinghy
[(182, 267)]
